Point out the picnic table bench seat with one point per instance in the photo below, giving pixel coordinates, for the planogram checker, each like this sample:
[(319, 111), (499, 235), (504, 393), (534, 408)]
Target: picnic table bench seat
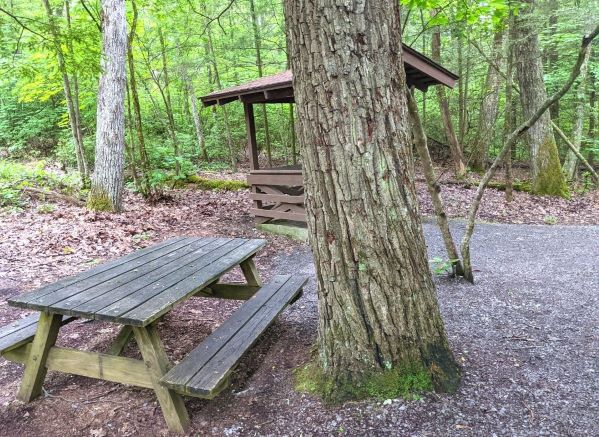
[(205, 370), (22, 331)]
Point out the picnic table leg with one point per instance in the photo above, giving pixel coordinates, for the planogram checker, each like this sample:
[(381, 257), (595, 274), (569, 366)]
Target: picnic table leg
[(153, 353), (35, 366), (250, 272), (121, 340)]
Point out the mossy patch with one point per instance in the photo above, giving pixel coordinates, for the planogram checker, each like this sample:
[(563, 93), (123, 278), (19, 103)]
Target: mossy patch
[(98, 200), (203, 183), (407, 382), (550, 181)]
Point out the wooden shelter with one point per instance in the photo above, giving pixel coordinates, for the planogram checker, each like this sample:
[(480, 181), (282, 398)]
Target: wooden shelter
[(278, 192)]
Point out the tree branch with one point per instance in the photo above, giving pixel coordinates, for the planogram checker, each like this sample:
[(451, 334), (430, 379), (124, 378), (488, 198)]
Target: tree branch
[(20, 23), (511, 141)]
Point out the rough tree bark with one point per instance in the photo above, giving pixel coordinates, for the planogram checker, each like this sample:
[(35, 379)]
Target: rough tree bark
[(547, 176), (455, 146), (489, 107), (509, 118), (107, 180), (377, 303), (420, 141), (197, 121), (571, 162)]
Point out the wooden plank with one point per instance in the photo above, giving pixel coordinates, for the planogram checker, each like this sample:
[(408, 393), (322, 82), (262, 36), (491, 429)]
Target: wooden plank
[(90, 364), (85, 304), (94, 275), (209, 378), (121, 341), (162, 302), (115, 311), (152, 351), (277, 198), (179, 376), (277, 171), (35, 365), (250, 272), (281, 215), (229, 291), (291, 180), (22, 331)]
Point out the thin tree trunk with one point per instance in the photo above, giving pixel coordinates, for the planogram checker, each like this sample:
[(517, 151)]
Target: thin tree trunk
[(509, 144), (577, 153), (377, 303), (510, 113), (197, 121), (258, 47), (73, 119), (552, 50), (592, 112), (489, 107), (571, 163), (144, 162), (107, 181), (75, 93), (232, 158), (420, 140), (455, 146), (130, 145), (547, 176), (166, 96)]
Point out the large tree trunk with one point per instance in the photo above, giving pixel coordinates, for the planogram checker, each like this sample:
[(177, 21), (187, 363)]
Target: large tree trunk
[(454, 144), (547, 176), (571, 159), (107, 181), (377, 303), (489, 107)]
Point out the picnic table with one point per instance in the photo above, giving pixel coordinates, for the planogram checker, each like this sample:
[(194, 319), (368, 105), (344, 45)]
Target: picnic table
[(136, 291)]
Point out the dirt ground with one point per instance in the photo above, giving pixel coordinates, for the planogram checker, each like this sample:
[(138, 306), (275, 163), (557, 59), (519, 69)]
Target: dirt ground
[(527, 334)]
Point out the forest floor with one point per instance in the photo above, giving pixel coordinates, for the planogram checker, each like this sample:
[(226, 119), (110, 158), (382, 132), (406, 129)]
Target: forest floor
[(526, 333)]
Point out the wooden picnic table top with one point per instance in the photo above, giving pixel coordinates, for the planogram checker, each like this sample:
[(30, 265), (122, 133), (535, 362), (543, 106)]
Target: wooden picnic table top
[(142, 286)]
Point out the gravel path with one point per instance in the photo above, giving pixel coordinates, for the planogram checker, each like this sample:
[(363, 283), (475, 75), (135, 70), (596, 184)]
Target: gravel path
[(527, 335)]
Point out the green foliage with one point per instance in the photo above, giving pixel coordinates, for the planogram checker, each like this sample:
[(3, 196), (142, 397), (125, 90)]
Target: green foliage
[(407, 382), (16, 176), (216, 184), (442, 266)]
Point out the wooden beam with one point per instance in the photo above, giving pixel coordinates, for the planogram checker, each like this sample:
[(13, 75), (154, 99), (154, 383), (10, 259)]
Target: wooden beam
[(281, 215), (250, 272), (35, 364), (277, 198), (250, 125), (90, 364), (279, 94), (292, 180)]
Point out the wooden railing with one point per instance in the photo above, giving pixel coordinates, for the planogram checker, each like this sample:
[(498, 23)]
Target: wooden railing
[(277, 193)]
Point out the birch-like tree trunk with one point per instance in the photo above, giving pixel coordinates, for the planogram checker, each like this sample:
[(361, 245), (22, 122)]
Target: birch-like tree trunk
[(489, 107), (571, 162), (197, 121), (377, 303), (547, 176), (107, 181)]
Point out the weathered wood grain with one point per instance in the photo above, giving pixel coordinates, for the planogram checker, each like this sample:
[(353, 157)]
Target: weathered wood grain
[(162, 302), (203, 371), (22, 331)]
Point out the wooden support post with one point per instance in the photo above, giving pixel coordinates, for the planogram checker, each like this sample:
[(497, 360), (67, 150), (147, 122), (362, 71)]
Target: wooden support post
[(251, 134), (121, 340), (152, 351), (35, 366), (250, 272)]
